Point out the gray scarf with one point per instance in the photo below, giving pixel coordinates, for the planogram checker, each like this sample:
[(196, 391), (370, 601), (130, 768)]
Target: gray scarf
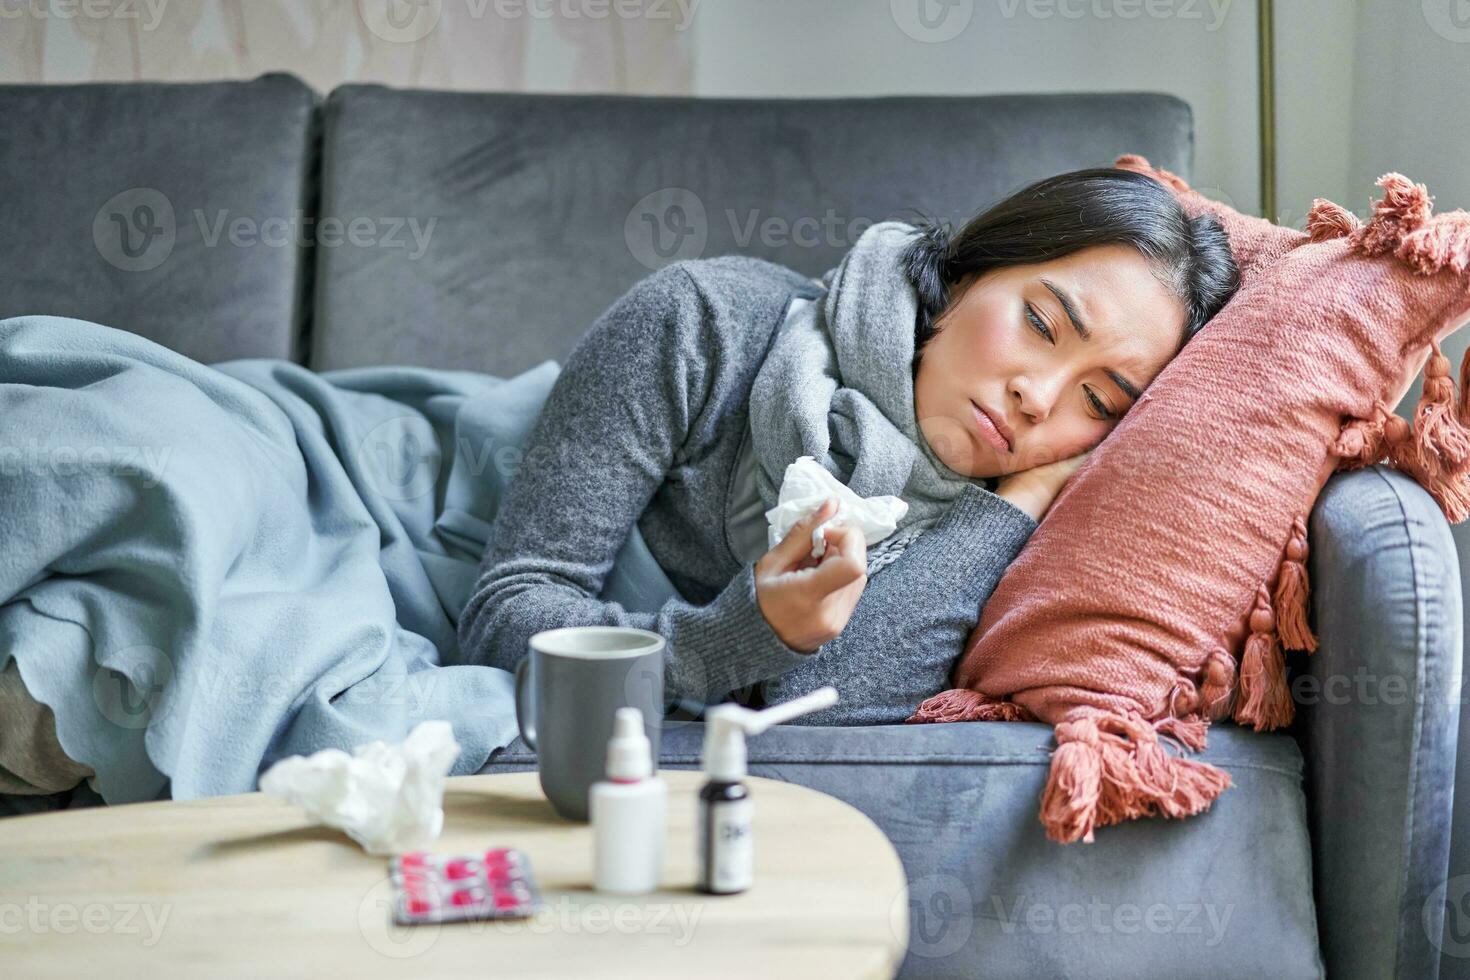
[(838, 385)]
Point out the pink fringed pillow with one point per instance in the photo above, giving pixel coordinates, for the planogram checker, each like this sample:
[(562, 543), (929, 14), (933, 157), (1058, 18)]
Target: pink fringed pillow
[(1208, 481)]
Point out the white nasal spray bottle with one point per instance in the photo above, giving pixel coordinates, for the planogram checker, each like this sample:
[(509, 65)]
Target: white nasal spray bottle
[(628, 812), (725, 859)]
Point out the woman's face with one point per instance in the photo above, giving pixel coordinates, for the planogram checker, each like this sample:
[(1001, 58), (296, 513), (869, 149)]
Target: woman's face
[(1054, 397)]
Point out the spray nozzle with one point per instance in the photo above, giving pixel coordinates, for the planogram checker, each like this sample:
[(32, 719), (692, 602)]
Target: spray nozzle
[(629, 754), (726, 726)]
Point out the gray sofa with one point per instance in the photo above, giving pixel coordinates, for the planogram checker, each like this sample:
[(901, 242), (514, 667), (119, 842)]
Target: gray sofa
[(219, 219)]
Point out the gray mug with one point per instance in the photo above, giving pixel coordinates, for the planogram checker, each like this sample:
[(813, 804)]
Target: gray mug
[(568, 687)]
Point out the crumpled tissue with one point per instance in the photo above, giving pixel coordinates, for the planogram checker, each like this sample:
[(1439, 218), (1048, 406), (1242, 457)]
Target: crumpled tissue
[(388, 798), (806, 484)]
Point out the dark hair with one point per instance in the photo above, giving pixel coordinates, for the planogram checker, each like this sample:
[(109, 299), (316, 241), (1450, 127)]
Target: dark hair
[(1060, 215)]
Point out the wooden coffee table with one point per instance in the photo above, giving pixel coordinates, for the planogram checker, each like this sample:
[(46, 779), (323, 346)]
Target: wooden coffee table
[(246, 886)]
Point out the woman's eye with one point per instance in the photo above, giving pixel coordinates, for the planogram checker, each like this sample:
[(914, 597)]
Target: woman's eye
[(1041, 328), (1097, 402)]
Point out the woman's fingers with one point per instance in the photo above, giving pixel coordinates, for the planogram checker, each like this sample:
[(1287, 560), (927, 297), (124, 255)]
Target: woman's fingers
[(807, 602), (849, 541), (1058, 471), (797, 544), (844, 563), (1073, 464)]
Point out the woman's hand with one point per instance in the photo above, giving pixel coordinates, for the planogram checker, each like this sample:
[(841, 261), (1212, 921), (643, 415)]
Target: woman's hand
[(1034, 490), (809, 600)]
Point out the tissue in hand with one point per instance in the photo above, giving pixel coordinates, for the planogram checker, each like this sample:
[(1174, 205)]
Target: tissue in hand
[(388, 798), (803, 488)]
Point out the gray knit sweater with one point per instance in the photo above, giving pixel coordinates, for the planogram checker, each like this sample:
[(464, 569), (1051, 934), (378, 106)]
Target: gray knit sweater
[(646, 421)]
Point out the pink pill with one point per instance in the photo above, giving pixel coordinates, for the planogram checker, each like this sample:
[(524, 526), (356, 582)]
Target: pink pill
[(474, 895), (461, 868), (505, 900)]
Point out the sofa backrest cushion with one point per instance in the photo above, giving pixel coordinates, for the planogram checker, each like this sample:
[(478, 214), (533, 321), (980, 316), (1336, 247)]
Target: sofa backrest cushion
[(493, 228), (169, 210)]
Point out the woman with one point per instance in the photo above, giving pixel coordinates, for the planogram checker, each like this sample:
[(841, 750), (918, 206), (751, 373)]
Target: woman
[(969, 375)]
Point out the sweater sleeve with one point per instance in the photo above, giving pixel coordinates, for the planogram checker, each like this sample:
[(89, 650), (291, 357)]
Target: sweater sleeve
[(610, 430), (914, 616)]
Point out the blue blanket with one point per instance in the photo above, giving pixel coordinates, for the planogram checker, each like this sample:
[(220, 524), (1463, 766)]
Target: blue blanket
[(206, 568)]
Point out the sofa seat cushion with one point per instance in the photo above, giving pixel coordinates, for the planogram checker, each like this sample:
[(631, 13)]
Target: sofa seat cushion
[(1225, 894)]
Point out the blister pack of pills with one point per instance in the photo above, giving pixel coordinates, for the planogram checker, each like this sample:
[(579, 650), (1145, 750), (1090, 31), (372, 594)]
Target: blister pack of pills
[(494, 884)]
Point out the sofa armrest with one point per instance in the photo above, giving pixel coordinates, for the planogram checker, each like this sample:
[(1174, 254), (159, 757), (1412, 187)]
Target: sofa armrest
[(1378, 721)]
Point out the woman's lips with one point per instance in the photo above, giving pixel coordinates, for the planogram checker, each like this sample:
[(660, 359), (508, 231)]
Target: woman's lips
[(988, 428)]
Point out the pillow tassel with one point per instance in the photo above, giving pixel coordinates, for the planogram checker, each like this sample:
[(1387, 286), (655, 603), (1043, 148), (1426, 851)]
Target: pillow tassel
[(1404, 208), (1189, 732), (1264, 701), (1360, 442), (1464, 407), (1139, 164), (1219, 684), (962, 704), (1398, 443), (1172, 786), (1293, 592), (1441, 443), (1442, 243), (1109, 768), (1448, 487), (1074, 783), (1451, 491), (1326, 220)]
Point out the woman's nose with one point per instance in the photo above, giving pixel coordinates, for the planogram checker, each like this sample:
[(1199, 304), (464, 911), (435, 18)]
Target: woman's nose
[(1034, 399)]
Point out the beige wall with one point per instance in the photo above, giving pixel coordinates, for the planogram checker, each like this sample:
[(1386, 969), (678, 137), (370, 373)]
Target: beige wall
[(532, 45)]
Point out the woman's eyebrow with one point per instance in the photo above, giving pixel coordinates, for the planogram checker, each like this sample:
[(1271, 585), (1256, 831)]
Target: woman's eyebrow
[(1070, 308)]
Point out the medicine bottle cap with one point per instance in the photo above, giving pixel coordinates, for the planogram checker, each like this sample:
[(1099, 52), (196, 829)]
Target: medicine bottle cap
[(629, 754)]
